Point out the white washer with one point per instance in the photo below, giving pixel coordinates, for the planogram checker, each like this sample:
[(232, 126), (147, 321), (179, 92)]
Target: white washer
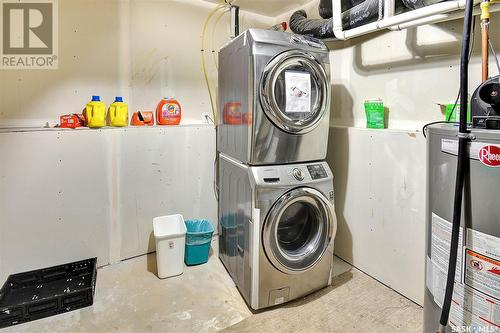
[(274, 98), (276, 229)]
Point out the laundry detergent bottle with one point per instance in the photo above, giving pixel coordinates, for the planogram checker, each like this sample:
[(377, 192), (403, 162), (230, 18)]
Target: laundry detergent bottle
[(95, 113), (168, 112), (118, 113)]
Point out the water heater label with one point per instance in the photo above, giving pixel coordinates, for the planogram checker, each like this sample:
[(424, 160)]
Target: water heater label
[(476, 295), (483, 243), (471, 309), (482, 273), (490, 156), (440, 245), (486, 153), (437, 263)]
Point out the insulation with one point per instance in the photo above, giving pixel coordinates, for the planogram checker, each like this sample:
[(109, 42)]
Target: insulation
[(320, 28), (325, 9), (362, 13)]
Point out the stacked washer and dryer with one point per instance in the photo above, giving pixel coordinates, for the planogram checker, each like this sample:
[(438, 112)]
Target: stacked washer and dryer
[(276, 201)]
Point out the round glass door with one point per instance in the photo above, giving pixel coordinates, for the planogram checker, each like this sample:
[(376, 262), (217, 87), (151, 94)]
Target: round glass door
[(298, 229), (295, 91)]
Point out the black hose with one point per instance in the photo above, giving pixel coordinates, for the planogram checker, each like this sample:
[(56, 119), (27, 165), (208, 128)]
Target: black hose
[(462, 161), (319, 28)]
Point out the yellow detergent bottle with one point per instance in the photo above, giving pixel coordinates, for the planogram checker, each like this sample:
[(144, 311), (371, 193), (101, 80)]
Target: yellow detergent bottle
[(118, 113), (95, 113)]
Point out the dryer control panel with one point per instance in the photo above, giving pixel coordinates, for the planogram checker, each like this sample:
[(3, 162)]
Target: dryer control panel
[(291, 174)]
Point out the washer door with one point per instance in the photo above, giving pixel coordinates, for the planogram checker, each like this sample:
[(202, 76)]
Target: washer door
[(298, 230), (295, 91)]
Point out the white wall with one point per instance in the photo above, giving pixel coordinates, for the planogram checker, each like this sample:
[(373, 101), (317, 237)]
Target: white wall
[(54, 199), (411, 70), (380, 203), (68, 195), (145, 49), (379, 175), (140, 49)]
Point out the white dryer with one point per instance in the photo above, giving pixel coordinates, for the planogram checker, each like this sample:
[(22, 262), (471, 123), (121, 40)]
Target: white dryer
[(276, 229), (274, 98)]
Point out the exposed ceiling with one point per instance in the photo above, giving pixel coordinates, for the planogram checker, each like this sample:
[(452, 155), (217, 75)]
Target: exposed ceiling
[(271, 8)]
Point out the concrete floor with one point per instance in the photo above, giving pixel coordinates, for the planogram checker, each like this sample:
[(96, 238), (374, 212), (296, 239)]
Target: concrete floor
[(354, 303), (130, 298)]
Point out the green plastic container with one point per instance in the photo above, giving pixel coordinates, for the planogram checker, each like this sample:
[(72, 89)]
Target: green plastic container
[(456, 113), (198, 238), (375, 113)]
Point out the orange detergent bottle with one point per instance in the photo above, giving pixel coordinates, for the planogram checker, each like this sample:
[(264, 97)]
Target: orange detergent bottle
[(168, 112)]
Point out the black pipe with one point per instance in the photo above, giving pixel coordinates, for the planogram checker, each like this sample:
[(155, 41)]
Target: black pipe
[(462, 160)]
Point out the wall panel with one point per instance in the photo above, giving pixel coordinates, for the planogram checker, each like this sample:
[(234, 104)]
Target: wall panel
[(380, 203), (68, 195)]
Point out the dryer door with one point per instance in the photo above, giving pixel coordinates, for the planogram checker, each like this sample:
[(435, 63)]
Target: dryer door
[(295, 91), (298, 230)]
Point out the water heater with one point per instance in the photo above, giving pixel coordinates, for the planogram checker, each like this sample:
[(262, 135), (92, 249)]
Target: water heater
[(475, 303)]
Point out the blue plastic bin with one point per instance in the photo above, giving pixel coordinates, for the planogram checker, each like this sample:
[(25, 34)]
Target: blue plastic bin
[(198, 239)]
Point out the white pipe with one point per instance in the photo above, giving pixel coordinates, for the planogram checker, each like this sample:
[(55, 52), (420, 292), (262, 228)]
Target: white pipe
[(337, 19), (439, 8), (387, 22), (442, 18), (427, 20), (389, 8), (364, 29)]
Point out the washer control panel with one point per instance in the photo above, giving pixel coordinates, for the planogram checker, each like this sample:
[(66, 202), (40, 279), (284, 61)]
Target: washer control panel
[(309, 41), (317, 171), (291, 174)]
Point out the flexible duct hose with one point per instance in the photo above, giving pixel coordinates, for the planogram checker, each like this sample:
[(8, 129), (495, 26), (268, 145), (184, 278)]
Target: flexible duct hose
[(320, 28), (362, 13), (463, 139), (354, 14)]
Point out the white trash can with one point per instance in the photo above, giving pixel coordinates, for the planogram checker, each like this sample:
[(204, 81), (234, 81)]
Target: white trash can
[(170, 237)]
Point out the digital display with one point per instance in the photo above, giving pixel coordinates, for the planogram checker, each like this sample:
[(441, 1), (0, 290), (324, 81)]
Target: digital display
[(317, 171)]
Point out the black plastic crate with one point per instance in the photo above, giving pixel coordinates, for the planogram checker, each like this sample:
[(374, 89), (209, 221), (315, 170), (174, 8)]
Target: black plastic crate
[(46, 292)]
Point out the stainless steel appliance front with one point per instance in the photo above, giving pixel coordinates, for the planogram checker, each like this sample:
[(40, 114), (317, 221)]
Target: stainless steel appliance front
[(297, 230), (276, 229), (274, 98)]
